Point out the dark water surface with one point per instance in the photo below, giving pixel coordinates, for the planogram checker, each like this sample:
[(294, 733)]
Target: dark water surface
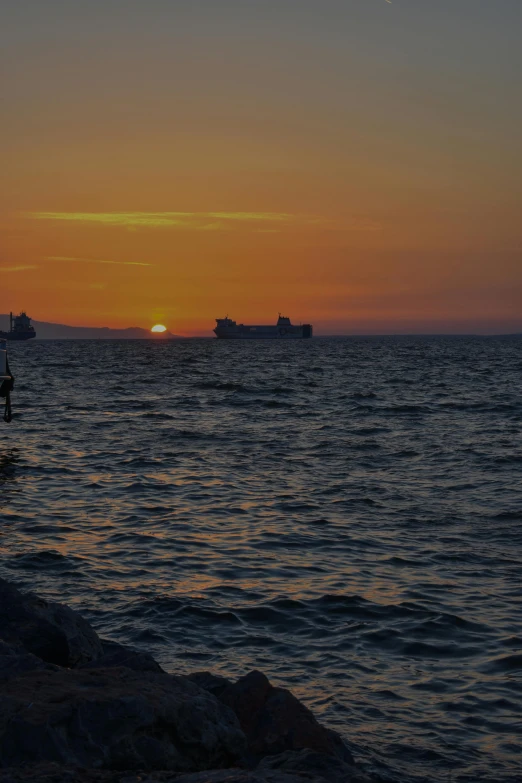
[(345, 515)]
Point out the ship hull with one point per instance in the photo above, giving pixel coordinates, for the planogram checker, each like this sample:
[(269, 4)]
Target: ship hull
[(263, 333), (17, 336), (259, 336)]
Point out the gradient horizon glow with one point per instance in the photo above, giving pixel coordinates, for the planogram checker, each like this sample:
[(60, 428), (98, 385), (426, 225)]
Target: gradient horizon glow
[(355, 164)]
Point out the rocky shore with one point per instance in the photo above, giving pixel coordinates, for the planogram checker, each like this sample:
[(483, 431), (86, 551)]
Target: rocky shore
[(74, 707)]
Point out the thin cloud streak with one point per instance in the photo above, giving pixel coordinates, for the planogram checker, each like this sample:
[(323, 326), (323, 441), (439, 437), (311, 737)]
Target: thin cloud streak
[(254, 216), (210, 221), (17, 268), (96, 261), (194, 220)]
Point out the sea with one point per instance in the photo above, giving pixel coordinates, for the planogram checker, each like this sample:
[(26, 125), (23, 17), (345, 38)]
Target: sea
[(343, 514)]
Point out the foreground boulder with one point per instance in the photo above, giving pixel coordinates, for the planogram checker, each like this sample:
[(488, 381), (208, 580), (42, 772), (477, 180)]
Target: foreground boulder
[(50, 631), (240, 776), (314, 766), (15, 660), (117, 719), (77, 709), (272, 719), (52, 773), (118, 655), (213, 683)]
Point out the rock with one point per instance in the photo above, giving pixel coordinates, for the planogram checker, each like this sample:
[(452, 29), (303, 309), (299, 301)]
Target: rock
[(50, 631), (339, 748), (241, 776), (117, 655), (274, 721), (76, 709), (14, 660), (117, 719), (53, 773), (316, 765), (210, 682)]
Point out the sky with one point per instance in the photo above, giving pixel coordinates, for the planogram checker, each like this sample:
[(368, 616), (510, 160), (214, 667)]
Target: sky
[(355, 164)]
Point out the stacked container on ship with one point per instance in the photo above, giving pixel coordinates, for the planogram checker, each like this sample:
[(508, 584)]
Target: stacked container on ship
[(229, 330)]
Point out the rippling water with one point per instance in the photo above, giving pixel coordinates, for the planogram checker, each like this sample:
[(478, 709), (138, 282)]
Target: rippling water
[(344, 514)]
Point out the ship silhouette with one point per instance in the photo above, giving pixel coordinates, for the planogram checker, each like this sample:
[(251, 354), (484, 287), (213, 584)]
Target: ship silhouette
[(20, 328), (229, 330)]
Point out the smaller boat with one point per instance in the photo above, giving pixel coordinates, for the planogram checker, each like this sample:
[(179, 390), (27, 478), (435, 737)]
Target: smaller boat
[(20, 328)]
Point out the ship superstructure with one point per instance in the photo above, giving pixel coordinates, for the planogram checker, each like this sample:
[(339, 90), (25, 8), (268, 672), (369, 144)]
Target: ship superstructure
[(20, 328), (284, 329)]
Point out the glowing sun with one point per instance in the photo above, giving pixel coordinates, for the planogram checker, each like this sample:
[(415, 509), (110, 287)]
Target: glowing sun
[(158, 328)]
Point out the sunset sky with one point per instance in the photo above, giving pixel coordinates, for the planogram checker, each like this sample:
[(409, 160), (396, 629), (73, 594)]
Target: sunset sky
[(353, 163)]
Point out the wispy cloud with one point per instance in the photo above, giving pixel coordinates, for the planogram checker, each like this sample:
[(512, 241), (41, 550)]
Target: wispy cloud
[(201, 221), (208, 221), (24, 268), (154, 219), (216, 226), (280, 217), (96, 261)]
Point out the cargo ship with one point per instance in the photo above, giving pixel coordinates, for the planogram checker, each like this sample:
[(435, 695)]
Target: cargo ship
[(284, 330), (20, 328)]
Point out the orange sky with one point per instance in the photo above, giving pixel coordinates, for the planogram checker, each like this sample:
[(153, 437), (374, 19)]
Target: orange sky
[(355, 164)]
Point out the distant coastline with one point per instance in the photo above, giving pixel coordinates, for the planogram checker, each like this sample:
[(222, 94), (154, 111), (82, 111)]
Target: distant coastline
[(51, 331)]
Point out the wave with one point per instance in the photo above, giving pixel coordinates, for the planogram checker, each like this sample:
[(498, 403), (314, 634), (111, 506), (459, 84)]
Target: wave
[(344, 515)]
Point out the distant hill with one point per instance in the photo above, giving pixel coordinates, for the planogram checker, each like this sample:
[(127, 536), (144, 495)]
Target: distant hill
[(49, 331)]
